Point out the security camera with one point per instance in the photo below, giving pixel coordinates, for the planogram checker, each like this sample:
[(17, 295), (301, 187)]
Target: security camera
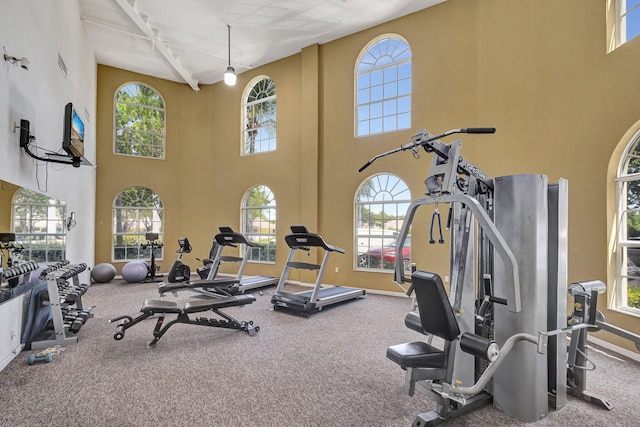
[(24, 63)]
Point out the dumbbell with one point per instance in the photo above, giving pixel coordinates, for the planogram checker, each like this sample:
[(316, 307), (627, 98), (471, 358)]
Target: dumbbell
[(35, 358)]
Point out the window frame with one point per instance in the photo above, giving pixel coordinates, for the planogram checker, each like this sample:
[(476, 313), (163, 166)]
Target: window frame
[(623, 243), (360, 257), (384, 102), (162, 135), (26, 239), (618, 17), (142, 254), (246, 104), (257, 237)]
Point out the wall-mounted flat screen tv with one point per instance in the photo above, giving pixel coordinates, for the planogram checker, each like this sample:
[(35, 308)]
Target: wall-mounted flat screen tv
[(73, 140)]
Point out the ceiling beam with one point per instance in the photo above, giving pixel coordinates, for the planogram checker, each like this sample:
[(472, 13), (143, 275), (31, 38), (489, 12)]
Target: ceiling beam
[(144, 23)]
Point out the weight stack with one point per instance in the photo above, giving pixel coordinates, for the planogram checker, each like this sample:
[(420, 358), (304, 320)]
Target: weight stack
[(521, 216)]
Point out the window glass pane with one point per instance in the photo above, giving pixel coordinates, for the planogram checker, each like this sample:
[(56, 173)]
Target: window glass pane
[(389, 108), (363, 96), (633, 226), (633, 24), (375, 126), (364, 80), (388, 76), (633, 195), (259, 223), (136, 211), (389, 123), (39, 223), (404, 104), (391, 90), (381, 204), (404, 121), (363, 112), (260, 118), (376, 110), (140, 121)]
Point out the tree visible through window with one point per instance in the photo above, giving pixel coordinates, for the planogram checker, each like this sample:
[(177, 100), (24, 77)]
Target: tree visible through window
[(136, 211), (140, 121), (259, 222), (381, 204), (383, 87), (39, 226), (260, 117), (628, 247)]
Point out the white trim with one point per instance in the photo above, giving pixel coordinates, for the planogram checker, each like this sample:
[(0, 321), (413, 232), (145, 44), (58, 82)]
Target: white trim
[(614, 348)]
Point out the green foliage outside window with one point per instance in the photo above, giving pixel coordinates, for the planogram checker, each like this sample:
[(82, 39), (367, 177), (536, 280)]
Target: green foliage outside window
[(140, 121)]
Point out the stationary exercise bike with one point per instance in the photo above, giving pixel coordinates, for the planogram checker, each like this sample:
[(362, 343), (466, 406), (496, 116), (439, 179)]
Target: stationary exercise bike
[(180, 271), (153, 243)]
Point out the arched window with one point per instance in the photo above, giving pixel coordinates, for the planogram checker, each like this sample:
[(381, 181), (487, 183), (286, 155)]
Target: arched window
[(383, 87), (628, 241), (140, 121), (39, 226), (259, 222), (381, 204), (259, 112), (136, 211)]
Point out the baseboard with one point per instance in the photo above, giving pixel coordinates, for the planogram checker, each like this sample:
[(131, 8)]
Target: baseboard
[(614, 348)]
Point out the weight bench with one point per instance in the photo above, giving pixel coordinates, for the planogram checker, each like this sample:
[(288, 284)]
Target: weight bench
[(162, 308)]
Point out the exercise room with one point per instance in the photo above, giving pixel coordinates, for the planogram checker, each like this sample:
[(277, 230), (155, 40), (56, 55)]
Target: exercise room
[(319, 213)]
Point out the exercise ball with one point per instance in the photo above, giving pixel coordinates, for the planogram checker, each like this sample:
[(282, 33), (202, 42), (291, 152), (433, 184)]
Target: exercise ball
[(135, 271), (103, 273)]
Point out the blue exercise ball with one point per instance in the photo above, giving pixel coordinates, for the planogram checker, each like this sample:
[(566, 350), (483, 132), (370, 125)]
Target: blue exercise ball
[(135, 271), (103, 273)]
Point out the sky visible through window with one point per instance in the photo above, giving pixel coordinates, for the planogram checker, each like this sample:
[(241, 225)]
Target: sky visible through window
[(632, 17)]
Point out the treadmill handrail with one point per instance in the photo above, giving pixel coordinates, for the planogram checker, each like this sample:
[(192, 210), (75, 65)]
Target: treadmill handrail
[(234, 238), (305, 240)]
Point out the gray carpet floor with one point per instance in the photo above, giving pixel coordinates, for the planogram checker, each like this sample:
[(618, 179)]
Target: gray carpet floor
[(326, 370)]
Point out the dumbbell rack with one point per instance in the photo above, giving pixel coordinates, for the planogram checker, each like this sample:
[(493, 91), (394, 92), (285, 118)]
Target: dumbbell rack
[(56, 276)]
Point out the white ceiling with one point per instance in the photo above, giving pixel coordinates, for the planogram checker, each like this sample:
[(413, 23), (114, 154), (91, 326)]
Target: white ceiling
[(186, 40)]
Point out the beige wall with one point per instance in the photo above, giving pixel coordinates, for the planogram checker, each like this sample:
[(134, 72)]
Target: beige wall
[(537, 70)]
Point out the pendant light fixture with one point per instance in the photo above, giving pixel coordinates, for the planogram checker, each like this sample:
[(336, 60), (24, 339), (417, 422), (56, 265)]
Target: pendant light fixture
[(230, 75)]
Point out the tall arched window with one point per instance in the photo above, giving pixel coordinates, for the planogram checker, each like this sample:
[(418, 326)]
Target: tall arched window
[(383, 86), (259, 112), (628, 241), (140, 121), (259, 222), (381, 203), (136, 211), (39, 226)]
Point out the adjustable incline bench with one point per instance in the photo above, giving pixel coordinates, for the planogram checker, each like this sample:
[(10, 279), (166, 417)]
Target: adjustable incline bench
[(162, 308)]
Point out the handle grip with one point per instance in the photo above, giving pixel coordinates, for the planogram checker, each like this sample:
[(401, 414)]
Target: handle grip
[(479, 130), (366, 165)]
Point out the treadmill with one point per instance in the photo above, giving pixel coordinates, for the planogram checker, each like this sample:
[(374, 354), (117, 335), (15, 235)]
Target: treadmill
[(309, 302), (229, 238)]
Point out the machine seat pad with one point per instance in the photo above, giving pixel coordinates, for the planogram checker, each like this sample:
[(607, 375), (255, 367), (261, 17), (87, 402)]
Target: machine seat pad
[(157, 306), (215, 303), (416, 355)]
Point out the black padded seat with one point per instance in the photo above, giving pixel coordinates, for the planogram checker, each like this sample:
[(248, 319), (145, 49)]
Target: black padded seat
[(203, 305), (416, 355), (157, 306)]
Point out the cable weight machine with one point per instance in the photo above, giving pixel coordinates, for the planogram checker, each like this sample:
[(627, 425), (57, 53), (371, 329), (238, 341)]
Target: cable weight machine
[(508, 255)]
